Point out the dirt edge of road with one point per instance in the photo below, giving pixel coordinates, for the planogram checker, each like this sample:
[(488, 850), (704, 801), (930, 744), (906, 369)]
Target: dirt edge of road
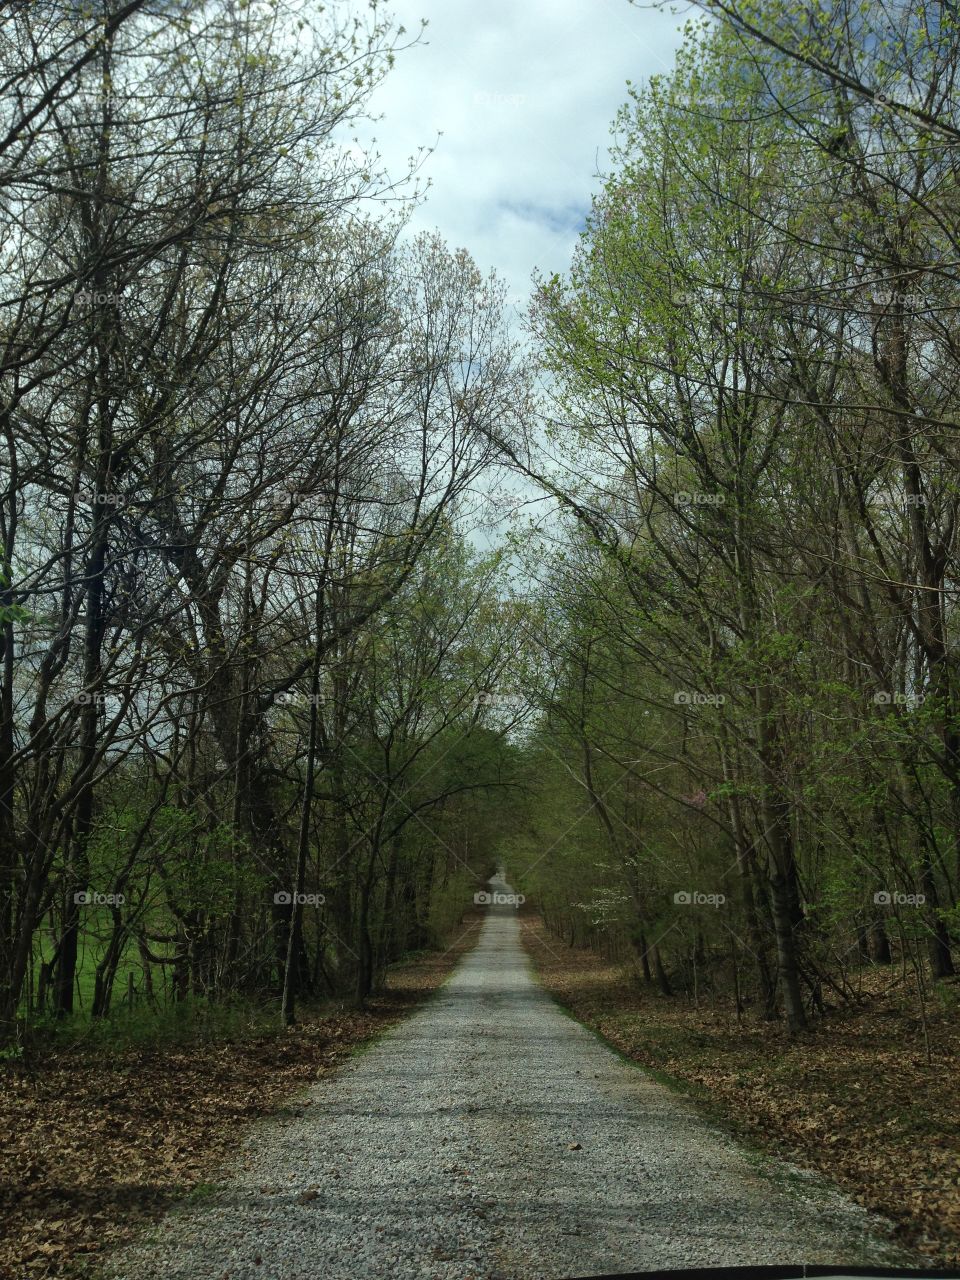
[(94, 1148), (881, 1125)]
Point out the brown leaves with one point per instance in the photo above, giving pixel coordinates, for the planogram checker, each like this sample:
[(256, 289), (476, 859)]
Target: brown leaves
[(852, 1100), (92, 1147)]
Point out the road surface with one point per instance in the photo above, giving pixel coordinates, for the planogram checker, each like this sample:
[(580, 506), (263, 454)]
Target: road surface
[(490, 1136)]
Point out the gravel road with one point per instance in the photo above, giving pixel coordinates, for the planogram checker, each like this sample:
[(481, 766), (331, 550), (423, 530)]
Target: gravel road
[(491, 1136)]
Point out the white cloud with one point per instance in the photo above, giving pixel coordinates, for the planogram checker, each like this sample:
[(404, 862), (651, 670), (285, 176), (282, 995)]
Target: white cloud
[(523, 93)]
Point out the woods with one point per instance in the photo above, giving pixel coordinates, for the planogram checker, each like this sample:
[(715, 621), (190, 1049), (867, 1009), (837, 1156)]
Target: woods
[(243, 629), (277, 692), (748, 674)]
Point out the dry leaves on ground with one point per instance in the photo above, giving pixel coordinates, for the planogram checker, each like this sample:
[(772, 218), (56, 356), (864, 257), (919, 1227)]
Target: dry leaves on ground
[(855, 1099), (92, 1147)]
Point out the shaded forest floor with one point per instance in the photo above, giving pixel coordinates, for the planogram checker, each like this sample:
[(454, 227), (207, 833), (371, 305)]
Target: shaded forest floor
[(95, 1145), (855, 1099)]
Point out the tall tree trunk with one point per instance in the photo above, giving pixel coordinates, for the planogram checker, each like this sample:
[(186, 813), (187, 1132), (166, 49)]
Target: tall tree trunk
[(294, 964), (781, 868)]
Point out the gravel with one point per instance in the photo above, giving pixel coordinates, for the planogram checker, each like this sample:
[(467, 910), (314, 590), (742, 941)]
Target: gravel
[(490, 1136)]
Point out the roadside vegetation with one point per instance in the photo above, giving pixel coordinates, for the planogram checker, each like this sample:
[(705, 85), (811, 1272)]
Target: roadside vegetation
[(245, 632), (856, 1100), (747, 752)]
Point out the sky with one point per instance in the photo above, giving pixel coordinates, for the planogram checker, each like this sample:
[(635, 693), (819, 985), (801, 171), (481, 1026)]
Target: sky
[(523, 93)]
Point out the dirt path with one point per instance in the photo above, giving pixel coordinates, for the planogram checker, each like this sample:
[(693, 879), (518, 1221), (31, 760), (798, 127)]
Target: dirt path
[(491, 1136)]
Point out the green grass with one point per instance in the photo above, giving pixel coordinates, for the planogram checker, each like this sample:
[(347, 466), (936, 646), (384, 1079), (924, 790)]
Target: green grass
[(166, 1022), (202, 1193), (190, 1021), (91, 947)]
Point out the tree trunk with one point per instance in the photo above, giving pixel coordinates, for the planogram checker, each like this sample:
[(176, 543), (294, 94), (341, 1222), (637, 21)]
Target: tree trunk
[(294, 963)]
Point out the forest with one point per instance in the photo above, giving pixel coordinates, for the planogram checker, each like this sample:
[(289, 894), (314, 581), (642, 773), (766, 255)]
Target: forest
[(242, 751), (324, 592)]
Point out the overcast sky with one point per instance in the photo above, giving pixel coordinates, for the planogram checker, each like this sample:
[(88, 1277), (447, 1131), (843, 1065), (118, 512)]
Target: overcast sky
[(523, 93)]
